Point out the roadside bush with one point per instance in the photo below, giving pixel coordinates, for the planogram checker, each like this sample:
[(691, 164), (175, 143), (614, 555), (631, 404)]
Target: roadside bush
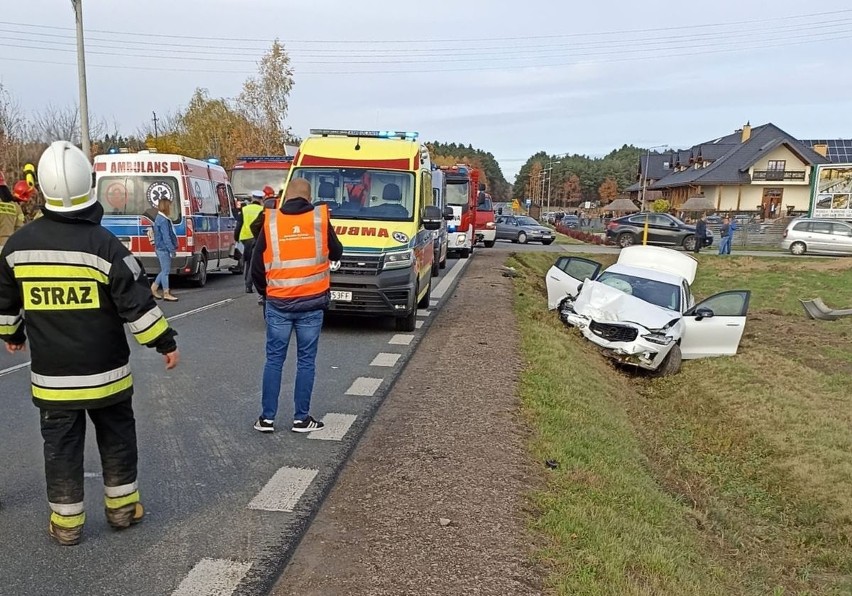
[(586, 237)]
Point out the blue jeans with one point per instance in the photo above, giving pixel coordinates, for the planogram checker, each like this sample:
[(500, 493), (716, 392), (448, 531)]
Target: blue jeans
[(162, 278), (279, 327), (725, 245)]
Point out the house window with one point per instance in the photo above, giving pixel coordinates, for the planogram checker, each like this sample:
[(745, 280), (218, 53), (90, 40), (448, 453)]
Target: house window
[(777, 165)]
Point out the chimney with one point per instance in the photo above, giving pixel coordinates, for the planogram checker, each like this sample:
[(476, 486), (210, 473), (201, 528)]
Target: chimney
[(746, 132), (822, 149)]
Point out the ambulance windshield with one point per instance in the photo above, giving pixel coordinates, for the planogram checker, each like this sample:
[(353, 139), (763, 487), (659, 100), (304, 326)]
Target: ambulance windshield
[(354, 193), (245, 181), (457, 194), (137, 195)]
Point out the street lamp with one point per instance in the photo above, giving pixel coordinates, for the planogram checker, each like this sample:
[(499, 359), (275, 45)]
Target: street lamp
[(549, 171), (81, 75)]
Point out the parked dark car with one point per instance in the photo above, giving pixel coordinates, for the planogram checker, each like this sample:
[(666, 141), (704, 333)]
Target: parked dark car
[(523, 229), (663, 230), (570, 221)]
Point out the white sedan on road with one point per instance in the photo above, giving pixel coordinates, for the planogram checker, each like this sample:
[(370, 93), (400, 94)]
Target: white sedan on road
[(641, 311)]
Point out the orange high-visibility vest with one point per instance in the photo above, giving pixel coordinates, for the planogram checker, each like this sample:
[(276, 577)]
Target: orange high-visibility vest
[(296, 255)]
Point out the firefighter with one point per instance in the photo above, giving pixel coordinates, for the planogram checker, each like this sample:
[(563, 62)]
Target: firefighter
[(11, 215), (244, 233), (69, 286)]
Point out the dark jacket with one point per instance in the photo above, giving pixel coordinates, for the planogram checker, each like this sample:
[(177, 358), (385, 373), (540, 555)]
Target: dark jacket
[(258, 271), (70, 285), (701, 229)]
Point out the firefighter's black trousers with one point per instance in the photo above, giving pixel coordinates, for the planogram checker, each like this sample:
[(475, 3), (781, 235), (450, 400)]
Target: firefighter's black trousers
[(64, 433)]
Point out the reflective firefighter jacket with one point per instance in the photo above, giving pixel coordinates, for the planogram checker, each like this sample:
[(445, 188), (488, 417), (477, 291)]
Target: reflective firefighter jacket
[(69, 286)]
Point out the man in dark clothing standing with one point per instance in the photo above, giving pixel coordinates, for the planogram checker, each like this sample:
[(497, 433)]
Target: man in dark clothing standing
[(69, 286), (291, 269), (700, 233)]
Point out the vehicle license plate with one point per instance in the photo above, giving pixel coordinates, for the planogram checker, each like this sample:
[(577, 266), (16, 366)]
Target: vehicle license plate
[(338, 296)]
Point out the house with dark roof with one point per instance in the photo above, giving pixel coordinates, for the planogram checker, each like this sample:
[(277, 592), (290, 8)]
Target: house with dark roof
[(760, 169), (652, 167)]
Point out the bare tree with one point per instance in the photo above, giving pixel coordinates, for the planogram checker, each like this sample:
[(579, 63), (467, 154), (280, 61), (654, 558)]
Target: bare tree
[(62, 123)]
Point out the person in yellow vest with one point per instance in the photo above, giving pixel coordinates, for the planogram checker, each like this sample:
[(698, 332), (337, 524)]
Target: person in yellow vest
[(243, 233), (69, 286), (291, 269), (11, 215)]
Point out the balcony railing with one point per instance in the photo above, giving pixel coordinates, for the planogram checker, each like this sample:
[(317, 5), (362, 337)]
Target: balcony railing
[(778, 175)]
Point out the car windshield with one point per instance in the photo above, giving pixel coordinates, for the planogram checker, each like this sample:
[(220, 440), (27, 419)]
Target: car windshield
[(355, 193), (457, 193), (245, 181), (655, 292), (137, 195), (526, 221)]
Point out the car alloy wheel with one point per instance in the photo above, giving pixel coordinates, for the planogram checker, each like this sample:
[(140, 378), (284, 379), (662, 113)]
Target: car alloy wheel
[(689, 243), (626, 239)]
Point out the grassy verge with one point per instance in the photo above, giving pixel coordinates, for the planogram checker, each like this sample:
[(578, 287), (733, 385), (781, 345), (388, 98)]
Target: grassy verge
[(730, 478)]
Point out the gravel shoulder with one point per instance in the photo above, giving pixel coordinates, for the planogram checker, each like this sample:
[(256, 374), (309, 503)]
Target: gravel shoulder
[(432, 500)]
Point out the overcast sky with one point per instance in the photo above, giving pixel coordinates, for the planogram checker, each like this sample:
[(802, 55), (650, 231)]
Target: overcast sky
[(510, 77)]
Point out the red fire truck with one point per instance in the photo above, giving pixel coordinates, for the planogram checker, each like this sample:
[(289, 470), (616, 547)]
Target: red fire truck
[(462, 191), (257, 171)]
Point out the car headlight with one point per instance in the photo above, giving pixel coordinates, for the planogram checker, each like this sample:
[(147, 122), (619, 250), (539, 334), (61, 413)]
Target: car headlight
[(399, 260), (489, 224), (658, 338)]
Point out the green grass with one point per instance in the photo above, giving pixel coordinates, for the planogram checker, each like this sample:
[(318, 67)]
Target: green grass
[(732, 477)]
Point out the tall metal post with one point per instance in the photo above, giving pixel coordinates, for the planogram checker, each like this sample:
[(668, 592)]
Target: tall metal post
[(549, 179), (81, 75)]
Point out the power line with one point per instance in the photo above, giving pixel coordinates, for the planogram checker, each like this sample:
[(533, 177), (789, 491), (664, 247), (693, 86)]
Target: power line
[(828, 27), (808, 37), (465, 40), (632, 58)]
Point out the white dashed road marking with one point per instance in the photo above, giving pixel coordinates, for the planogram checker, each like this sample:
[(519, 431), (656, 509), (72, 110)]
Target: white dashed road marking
[(336, 427), (385, 359), (283, 491), (213, 577), (418, 324), (365, 386), (401, 340), (423, 313), (434, 302)]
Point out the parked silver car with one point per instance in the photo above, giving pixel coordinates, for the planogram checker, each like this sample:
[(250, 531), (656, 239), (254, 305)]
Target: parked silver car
[(523, 229), (818, 236)]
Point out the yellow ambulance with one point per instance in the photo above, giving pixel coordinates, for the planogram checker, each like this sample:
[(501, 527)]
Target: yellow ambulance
[(378, 187)]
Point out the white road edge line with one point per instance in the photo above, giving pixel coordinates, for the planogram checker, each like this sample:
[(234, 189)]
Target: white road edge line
[(441, 289), (422, 312), (401, 339), (336, 427), (364, 386), (284, 489), (418, 325), (213, 577), (195, 311)]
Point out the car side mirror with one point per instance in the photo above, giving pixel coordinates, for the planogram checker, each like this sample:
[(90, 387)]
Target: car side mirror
[(704, 313), (448, 213), (432, 217)]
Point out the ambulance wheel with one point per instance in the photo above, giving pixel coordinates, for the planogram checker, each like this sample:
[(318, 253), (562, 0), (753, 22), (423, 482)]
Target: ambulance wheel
[(408, 323), (443, 264), (436, 268), (199, 280), (465, 253), (426, 298), (489, 243)]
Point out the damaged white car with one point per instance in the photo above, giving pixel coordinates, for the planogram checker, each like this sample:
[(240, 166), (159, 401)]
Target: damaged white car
[(641, 311)]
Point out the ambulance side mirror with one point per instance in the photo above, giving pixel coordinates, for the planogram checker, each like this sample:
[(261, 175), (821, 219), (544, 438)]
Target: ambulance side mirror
[(432, 217), (448, 213)]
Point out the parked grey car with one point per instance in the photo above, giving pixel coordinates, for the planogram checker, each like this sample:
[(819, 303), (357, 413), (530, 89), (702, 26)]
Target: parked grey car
[(523, 229), (818, 236)]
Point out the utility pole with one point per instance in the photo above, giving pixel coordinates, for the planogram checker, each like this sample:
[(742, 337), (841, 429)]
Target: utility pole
[(81, 74), (549, 179), (156, 130)]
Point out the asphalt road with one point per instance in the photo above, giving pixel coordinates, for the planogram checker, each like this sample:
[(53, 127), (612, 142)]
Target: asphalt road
[(225, 504)]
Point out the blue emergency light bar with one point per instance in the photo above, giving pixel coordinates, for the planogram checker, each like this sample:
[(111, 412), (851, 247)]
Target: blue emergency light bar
[(281, 158), (366, 134)]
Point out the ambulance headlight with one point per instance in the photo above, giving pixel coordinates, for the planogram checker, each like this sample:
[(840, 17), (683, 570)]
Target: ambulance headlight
[(399, 260), (460, 239)]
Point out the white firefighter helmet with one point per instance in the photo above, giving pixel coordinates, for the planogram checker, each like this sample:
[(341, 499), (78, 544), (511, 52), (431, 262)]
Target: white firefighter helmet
[(65, 178)]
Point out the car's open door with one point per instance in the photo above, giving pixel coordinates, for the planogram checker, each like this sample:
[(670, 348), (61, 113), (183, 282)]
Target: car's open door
[(715, 326), (565, 277)]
